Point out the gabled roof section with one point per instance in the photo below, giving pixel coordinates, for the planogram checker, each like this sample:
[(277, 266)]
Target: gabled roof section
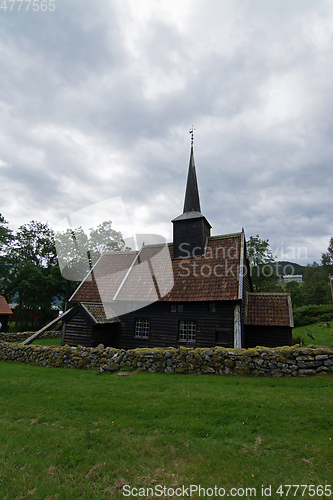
[(98, 314), (192, 201), (4, 307), (213, 277), (111, 265), (269, 309), (155, 276)]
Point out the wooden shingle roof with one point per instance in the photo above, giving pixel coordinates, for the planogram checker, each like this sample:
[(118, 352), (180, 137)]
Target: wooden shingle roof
[(269, 309), (4, 307), (152, 274), (99, 314)]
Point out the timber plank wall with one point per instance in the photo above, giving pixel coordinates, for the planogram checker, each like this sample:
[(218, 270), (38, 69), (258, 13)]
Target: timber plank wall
[(78, 330), (164, 325)]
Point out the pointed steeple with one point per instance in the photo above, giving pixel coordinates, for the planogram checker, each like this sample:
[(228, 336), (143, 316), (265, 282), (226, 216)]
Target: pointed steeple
[(192, 201), (190, 229)]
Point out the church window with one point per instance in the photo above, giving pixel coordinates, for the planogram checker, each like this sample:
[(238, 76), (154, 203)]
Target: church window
[(176, 308), (187, 331), (142, 327)]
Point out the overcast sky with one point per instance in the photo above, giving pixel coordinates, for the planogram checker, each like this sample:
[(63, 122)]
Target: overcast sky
[(97, 98)]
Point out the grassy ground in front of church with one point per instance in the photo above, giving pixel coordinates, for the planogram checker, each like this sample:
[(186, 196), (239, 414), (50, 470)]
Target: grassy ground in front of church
[(314, 334), (70, 434)]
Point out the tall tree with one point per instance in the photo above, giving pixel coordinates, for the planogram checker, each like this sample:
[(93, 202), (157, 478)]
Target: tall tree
[(260, 256), (259, 251), (34, 278), (315, 287), (78, 252), (327, 257), (6, 236)]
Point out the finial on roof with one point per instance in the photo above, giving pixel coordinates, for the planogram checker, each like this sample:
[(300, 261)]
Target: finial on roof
[(192, 134), (192, 202)]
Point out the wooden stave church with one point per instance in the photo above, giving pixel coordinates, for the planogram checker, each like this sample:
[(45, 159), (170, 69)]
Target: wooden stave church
[(211, 301)]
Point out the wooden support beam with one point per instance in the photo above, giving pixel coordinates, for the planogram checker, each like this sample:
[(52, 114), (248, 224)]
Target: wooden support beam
[(35, 335)]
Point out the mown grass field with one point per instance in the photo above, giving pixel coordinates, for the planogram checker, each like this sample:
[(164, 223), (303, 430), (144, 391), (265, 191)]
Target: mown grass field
[(70, 434), (322, 334), (47, 342)]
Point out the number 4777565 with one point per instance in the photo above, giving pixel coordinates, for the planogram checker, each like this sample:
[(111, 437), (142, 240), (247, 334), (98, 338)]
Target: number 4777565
[(42, 5), (311, 490)]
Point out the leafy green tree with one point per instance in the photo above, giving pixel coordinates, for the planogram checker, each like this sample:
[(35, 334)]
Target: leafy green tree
[(104, 238), (6, 236), (295, 290), (34, 243), (73, 253), (327, 263), (34, 280), (327, 257), (258, 251), (41, 268), (260, 257), (78, 252), (315, 287)]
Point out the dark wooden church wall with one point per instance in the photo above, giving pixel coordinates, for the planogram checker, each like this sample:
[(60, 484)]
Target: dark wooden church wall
[(164, 325), (105, 333), (4, 322), (78, 330), (267, 336), (194, 233)]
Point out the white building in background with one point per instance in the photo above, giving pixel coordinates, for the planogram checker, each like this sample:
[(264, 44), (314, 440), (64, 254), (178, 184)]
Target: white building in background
[(287, 278)]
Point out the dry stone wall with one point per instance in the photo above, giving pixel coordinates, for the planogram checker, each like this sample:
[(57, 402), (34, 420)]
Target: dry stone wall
[(19, 337), (279, 362)]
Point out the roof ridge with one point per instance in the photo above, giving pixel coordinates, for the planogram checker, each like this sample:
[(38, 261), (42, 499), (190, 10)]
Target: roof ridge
[(222, 236), (283, 294)]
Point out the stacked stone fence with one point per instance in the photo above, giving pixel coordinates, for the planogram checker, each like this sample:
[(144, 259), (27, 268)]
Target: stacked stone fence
[(278, 362), (20, 337)]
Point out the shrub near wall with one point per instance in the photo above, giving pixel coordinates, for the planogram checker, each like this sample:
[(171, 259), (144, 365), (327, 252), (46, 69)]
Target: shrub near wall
[(306, 315), (278, 362)]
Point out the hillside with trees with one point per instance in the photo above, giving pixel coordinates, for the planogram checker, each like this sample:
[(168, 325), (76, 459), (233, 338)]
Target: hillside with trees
[(311, 299)]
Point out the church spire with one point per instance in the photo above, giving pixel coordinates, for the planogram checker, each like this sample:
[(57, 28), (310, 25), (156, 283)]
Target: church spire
[(190, 229), (192, 201)]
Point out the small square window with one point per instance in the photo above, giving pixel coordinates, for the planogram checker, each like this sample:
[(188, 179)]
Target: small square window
[(176, 308), (142, 327)]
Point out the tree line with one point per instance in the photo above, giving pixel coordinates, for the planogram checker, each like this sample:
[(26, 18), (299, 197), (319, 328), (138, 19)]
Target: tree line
[(30, 275), (315, 288)]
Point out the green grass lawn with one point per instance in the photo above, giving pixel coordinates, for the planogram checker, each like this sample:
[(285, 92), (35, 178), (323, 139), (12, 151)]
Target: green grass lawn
[(70, 434), (322, 335), (54, 342)]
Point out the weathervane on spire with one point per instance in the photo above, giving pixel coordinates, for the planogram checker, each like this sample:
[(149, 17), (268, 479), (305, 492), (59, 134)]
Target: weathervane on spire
[(192, 136)]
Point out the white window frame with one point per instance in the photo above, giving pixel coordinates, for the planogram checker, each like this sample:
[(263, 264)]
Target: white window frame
[(187, 331), (142, 328)]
